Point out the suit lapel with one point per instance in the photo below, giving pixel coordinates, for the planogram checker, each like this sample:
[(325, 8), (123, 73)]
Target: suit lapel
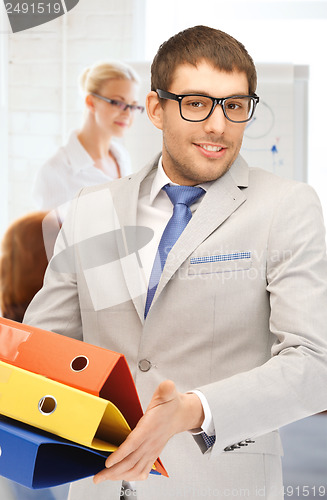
[(221, 200), (131, 236)]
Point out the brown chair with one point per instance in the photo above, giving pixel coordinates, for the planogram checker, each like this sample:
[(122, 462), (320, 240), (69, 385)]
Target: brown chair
[(23, 261)]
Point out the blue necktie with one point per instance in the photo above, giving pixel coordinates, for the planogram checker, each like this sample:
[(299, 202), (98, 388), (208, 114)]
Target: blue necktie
[(182, 198)]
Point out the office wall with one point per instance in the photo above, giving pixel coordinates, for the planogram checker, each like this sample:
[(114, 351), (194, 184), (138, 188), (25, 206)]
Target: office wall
[(44, 102), (44, 63)]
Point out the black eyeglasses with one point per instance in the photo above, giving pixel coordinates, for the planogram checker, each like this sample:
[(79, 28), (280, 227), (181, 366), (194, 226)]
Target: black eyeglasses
[(197, 107), (120, 104)]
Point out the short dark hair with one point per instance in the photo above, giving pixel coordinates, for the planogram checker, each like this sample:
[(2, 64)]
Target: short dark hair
[(201, 43)]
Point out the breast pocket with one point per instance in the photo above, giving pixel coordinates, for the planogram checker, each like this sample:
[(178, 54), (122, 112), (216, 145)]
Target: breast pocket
[(219, 263)]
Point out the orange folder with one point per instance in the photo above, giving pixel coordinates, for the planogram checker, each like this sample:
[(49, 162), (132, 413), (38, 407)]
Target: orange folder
[(86, 367)]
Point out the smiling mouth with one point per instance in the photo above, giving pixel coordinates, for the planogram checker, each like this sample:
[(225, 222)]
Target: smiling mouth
[(208, 147)]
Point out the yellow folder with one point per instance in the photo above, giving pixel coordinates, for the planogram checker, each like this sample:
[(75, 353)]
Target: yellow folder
[(62, 410)]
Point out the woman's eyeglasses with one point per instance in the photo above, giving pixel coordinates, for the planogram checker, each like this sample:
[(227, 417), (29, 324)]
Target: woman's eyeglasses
[(120, 104)]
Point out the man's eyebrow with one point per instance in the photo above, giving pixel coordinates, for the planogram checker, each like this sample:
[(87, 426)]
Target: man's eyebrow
[(203, 92)]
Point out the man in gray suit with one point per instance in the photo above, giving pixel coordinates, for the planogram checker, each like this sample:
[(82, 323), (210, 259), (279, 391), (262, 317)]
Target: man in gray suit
[(232, 306)]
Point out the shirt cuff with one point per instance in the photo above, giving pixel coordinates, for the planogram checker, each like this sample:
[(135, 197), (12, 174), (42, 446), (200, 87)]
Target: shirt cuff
[(207, 426)]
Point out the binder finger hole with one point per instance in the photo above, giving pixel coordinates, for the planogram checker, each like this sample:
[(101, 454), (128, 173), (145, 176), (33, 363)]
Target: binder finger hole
[(47, 405), (79, 363)]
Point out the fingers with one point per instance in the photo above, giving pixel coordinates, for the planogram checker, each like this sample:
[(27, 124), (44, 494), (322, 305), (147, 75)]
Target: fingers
[(134, 467), (132, 443), (134, 459), (128, 453)]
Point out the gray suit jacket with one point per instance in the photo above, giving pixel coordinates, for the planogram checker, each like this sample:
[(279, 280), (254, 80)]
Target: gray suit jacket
[(240, 313)]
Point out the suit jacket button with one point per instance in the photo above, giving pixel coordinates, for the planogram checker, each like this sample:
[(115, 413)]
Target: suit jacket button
[(144, 365)]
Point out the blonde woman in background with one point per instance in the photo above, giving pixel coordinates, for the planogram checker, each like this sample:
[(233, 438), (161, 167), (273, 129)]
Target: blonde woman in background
[(93, 154)]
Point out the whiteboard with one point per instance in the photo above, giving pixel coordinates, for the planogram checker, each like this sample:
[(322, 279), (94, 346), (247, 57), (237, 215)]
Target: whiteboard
[(276, 139)]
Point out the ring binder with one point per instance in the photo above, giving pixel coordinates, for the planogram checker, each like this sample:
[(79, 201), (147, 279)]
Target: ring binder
[(74, 390)]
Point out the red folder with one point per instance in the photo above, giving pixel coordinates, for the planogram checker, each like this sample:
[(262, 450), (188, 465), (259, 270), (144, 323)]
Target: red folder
[(89, 368)]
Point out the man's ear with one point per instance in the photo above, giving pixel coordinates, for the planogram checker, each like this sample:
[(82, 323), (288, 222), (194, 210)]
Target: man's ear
[(154, 109)]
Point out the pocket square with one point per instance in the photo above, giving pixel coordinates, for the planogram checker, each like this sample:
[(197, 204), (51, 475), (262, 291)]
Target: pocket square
[(220, 258)]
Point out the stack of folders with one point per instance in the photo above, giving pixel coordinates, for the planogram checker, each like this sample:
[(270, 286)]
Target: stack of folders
[(65, 405)]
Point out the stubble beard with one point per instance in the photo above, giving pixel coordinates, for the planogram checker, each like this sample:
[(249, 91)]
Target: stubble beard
[(186, 171)]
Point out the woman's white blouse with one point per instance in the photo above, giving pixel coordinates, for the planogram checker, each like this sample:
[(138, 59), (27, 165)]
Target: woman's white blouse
[(70, 169)]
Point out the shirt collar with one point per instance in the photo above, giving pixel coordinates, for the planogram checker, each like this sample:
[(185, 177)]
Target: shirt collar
[(161, 179), (79, 157)]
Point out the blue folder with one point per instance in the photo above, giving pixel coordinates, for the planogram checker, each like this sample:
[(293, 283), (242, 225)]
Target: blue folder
[(38, 459)]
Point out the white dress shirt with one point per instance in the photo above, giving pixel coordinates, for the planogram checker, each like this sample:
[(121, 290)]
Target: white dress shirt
[(70, 169), (154, 211)]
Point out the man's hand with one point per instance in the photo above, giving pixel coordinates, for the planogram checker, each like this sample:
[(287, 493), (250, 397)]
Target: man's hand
[(168, 413)]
